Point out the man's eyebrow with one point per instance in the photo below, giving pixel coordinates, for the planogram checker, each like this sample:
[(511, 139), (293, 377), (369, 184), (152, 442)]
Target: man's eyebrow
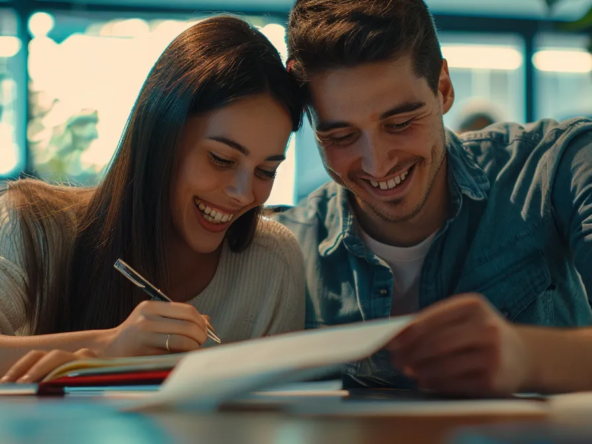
[(403, 108), (328, 126), (237, 146), (398, 109)]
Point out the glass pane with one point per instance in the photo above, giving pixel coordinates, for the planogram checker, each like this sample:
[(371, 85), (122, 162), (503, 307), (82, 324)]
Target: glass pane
[(86, 70), (487, 72), (563, 77), (11, 64)]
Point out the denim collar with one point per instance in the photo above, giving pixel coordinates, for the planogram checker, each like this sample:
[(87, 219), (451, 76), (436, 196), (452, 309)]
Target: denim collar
[(465, 177)]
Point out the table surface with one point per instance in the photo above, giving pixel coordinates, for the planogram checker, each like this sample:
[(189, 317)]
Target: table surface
[(77, 419)]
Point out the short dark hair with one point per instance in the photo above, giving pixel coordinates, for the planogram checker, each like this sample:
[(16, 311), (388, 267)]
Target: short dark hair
[(331, 34)]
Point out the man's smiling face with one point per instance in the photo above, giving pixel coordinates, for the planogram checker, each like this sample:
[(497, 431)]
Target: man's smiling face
[(381, 135)]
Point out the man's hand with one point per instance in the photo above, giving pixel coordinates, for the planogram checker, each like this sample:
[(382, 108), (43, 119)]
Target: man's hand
[(462, 346)]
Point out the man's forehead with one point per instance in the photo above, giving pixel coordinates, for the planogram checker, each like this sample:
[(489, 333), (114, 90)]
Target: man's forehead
[(367, 90)]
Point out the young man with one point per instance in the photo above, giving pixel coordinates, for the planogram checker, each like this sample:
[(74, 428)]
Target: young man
[(418, 214)]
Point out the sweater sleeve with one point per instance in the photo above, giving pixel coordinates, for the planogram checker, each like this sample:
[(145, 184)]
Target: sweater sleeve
[(13, 283)]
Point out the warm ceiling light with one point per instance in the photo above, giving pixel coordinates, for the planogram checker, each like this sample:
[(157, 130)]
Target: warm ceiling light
[(563, 61), (482, 57), (9, 46)]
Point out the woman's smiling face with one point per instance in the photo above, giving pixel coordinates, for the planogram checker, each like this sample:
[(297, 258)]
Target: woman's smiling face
[(227, 163)]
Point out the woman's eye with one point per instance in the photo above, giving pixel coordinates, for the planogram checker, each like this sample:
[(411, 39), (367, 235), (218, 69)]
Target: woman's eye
[(265, 174), (218, 161)]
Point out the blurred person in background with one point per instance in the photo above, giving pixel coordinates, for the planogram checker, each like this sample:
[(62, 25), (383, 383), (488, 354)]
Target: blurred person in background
[(180, 202), (476, 115)]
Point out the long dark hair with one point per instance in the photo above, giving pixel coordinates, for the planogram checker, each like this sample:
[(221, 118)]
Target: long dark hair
[(210, 65)]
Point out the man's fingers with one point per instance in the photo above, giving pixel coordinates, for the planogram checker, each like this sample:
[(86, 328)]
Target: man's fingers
[(469, 334), (469, 384), (455, 365), (22, 366), (444, 313)]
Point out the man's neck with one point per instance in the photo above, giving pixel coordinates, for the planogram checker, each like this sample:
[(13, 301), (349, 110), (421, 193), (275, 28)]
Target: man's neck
[(411, 232)]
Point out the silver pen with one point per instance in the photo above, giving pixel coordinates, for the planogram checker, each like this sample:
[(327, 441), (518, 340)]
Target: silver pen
[(155, 294)]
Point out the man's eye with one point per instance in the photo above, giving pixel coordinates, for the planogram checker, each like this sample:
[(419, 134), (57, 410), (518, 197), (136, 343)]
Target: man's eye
[(218, 161), (399, 126), (338, 140)]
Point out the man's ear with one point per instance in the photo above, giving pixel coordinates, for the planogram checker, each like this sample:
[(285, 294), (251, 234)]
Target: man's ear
[(445, 88)]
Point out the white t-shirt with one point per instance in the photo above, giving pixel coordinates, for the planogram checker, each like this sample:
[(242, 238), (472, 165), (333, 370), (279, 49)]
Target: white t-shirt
[(405, 263)]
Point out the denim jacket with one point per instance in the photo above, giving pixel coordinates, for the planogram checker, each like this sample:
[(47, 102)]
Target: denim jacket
[(519, 232)]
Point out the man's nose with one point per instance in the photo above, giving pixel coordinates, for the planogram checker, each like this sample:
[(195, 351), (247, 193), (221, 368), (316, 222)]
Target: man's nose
[(376, 160)]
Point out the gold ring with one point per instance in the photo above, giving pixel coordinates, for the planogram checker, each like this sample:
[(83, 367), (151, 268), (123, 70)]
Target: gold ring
[(167, 343)]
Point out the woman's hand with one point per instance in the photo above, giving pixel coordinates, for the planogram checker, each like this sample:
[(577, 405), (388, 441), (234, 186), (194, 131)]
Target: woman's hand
[(463, 346), (155, 328), (37, 364)]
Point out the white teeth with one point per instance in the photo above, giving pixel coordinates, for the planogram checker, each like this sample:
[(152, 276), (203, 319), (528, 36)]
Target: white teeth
[(212, 215), (392, 183)]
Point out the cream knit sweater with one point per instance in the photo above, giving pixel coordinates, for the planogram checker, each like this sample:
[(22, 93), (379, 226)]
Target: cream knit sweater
[(255, 293)]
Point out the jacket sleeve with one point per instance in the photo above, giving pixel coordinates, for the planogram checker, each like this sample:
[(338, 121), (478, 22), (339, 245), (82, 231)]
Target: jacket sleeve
[(572, 202)]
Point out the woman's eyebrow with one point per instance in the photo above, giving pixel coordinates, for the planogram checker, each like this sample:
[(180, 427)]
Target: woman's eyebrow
[(237, 146)]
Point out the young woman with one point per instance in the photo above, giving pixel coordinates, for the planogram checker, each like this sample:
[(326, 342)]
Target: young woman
[(180, 203)]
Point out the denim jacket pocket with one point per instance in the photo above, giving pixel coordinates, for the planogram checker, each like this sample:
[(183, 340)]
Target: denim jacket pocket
[(517, 288)]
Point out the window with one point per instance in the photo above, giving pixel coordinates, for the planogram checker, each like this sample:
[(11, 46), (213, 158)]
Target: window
[(563, 77), (86, 71), (487, 72), (12, 158)]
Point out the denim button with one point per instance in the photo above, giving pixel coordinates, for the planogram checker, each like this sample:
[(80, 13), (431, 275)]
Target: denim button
[(383, 292)]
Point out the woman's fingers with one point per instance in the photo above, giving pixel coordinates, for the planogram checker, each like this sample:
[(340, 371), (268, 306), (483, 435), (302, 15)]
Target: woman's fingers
[(177, 343), (37, 364), (174, 310), (22, 366), (46, 365), (85, 353), (178, 328)]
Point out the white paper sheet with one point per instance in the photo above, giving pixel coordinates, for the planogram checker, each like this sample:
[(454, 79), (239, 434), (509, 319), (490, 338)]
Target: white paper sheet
[(205, 378)]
